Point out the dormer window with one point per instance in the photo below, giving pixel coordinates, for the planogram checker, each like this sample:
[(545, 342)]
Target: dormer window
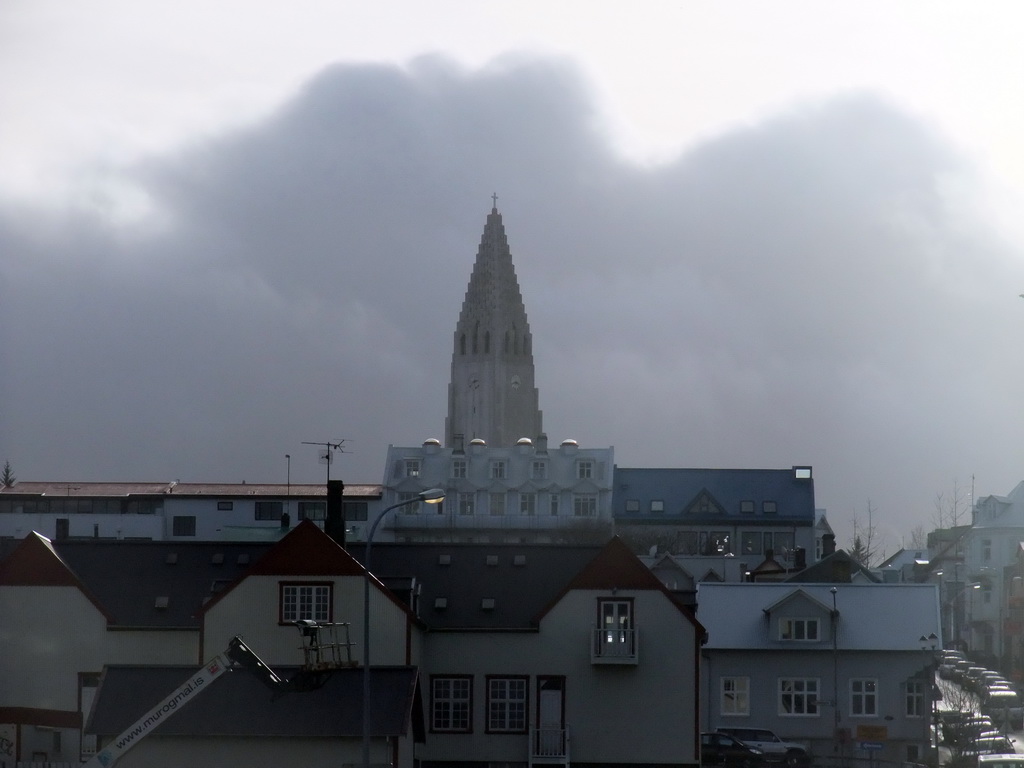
[(412, 467), (497, 470), (585, 469), (799, 629)]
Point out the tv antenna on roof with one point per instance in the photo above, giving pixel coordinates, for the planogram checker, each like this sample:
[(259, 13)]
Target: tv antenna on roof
[(327, 450)]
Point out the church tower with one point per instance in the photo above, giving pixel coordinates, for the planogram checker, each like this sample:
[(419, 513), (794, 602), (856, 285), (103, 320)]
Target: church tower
[(492, 394)]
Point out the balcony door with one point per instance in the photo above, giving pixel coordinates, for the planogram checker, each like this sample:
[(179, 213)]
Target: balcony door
[(616, 627)]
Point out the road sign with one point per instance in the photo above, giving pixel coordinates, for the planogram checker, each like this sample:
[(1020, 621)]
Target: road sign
[(871, 745)]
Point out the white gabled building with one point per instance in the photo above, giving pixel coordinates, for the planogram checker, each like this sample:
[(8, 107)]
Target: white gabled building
[(526, 492)]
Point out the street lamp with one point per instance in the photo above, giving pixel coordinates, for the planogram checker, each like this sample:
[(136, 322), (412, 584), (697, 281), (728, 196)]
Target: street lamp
[(952, 611), (930, 643), (431, 496)]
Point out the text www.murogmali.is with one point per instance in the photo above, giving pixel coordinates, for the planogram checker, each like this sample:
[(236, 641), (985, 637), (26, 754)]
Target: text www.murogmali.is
[(169, 706)]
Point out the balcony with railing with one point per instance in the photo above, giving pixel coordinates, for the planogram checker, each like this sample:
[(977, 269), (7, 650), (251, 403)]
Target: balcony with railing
[(613, 646), (549, 746)]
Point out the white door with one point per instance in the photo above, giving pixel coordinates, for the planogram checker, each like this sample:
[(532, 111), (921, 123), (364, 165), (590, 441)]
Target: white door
[(550, 717)]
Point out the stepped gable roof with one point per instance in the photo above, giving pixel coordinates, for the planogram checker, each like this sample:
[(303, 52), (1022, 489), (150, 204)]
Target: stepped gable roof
[(239, 704)]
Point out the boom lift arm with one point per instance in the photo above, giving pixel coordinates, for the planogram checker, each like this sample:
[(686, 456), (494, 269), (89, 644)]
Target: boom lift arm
[(236, 654)]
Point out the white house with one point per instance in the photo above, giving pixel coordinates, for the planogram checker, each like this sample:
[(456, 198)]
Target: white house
[(844, 668)]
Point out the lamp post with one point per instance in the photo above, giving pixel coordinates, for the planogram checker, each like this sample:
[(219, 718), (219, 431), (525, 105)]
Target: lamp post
[(431, 496), (952, 611), (836, 742), (929, 643)]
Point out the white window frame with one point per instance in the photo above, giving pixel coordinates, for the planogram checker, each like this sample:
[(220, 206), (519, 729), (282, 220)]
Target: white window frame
[(584, 505), (451, 704), (459, 469), (798, 696), (799, 629), (507, 704), (553, 504), (539, 470), (864, 697), (412, 467), (466, 504), (915, 704), (528, 504), (735, 696), (305, 601), (412, 508), (498, 470), (585, 469)]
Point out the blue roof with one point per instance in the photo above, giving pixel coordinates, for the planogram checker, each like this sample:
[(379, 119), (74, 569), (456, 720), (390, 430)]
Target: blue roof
[(706, 496)]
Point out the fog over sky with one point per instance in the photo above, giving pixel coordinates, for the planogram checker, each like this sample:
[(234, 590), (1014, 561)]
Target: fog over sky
[(747, 235)]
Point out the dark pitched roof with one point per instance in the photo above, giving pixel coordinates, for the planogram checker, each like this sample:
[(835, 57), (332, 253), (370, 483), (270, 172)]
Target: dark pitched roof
[(455, 580), (836, 568), (504, 586), (307, 551), (35, 563), (726, 489), (238, 704), (126, 578), (219, 490)]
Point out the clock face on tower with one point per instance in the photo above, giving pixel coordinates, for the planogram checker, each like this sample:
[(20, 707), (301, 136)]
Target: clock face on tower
[(474, 382), (516, 382)]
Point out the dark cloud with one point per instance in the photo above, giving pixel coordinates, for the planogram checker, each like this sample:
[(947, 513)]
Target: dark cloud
[(804, 290)]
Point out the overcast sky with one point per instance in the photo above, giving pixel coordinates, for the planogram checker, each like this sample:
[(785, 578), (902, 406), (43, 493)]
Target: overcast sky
[(747, 234)]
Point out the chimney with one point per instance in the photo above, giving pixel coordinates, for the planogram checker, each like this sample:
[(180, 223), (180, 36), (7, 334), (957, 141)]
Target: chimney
[(334, 525), (828, 544)]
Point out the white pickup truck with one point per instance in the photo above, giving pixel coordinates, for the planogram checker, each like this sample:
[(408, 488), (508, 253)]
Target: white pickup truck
[(776, 751)]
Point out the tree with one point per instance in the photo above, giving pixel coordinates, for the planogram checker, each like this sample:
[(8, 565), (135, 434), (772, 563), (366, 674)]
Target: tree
[(8, 479), (918, 537), (867, 545), (949, 509)]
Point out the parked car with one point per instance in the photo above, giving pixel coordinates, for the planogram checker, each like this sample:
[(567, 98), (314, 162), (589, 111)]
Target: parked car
[(1001, 761), (989, 744), (776, 750), (1004, 707), (722, 749)]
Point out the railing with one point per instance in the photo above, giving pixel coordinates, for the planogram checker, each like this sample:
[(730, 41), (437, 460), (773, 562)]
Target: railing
[(428, 521), (549, 745), (614, 646)]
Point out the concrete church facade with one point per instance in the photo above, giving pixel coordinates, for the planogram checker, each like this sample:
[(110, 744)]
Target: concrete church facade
[(503, 481)]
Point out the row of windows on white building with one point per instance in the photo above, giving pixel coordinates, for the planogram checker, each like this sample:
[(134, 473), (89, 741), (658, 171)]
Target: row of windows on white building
[(800, 697), (498, 469)]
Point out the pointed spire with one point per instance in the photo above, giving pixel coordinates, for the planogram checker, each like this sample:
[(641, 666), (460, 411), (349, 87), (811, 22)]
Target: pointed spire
[(491, 395)]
